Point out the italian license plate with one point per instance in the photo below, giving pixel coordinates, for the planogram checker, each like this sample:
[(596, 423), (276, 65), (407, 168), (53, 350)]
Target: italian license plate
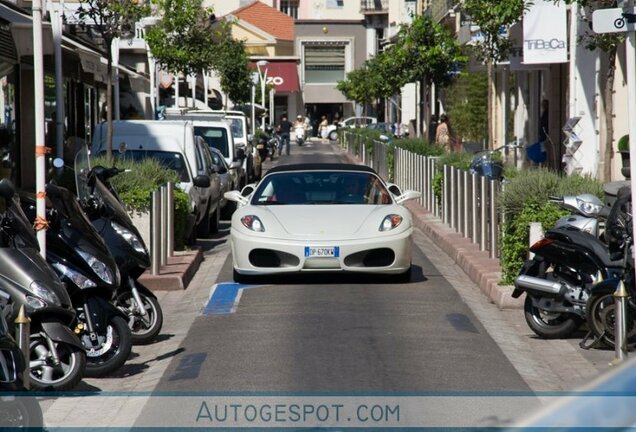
[(311, 251)]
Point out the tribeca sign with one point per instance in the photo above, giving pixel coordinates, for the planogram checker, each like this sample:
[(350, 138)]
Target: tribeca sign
[(545, 44)]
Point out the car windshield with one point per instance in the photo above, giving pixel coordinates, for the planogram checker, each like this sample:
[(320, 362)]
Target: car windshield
[(171, 160), (215, 137), (237, 127), (321, 187)]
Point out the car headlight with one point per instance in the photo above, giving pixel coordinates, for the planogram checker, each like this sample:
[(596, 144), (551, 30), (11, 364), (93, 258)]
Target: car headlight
[(99, 267), (390, 222), (77, 278), (43, 292), (131, 238), (253, 222), (588, 208)]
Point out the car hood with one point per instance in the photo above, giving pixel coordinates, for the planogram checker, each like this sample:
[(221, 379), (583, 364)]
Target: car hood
[(327, 222)]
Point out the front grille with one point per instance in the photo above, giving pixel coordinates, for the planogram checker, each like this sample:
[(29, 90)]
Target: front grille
[(382, 257), (272, 258)]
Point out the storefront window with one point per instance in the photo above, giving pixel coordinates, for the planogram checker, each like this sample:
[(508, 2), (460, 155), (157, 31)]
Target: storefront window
[(324, 64), (8, 150)]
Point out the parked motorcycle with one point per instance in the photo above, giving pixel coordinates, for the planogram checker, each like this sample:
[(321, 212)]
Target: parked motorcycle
[(17, 409), (110, 219), (56, 355), (82, 260), (273, 143), (567, 262), (601, 306)]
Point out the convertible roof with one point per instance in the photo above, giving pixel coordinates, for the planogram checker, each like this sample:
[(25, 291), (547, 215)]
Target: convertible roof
[(320, 167)]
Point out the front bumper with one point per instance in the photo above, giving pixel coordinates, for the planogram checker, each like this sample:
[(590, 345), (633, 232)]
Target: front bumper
[(255, 255)]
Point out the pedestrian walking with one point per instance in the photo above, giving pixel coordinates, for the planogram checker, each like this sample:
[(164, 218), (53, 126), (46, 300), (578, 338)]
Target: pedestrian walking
[(322, 127), (284, 130), (444, 134)]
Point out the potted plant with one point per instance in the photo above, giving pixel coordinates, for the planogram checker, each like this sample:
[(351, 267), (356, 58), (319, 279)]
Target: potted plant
[(623, 149)]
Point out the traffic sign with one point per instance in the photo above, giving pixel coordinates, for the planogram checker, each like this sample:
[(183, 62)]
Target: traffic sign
[(616, 20)]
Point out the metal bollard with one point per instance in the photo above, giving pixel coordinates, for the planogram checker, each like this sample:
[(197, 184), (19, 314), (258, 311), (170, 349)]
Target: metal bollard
[(483, 213), (474, 230), (164, 225), (620, 341), (452, 197), (155, 232), (22, 336), (466, 200), (170, 220), (494, 226), (446, 195)]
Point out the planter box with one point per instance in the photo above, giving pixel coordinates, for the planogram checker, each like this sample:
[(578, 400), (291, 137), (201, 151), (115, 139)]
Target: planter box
[(142, 223)]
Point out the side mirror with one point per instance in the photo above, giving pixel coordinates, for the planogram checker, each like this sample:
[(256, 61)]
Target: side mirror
[(394, 189), (240, 154), (250, 137), (248, 190), (236, 197), (202, 181), (236, 164)]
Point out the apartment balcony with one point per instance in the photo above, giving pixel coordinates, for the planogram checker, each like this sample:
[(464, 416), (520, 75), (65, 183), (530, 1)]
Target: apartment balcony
[(440, 9), (374, 6)]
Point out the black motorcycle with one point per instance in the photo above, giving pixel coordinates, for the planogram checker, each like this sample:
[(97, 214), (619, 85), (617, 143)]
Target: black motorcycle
[(17, 408), (57, 357), (107, 214), (601, 306), (80, 257)]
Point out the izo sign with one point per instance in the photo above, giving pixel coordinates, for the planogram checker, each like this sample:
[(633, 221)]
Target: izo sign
[(614, 20)]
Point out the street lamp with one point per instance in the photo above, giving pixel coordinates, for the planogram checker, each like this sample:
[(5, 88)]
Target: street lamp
[(263, 77)]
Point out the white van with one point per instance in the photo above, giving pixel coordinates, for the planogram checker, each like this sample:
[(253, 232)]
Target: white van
[(219, 132), (176, 145)]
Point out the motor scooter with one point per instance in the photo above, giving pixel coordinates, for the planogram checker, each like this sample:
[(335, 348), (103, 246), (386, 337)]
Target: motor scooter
[(82, 260), (106, 212), (567, 262), (56, 355), (299, 131), (17, 408)]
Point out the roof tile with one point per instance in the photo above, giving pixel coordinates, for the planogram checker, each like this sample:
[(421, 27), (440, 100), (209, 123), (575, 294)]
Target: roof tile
[(268, 19)]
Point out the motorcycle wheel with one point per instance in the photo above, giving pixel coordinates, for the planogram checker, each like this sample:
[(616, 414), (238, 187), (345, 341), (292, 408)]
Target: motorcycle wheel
[(112, 349), (21, 412), (142, 332), (601, 318), (550, 325), (45, 374)]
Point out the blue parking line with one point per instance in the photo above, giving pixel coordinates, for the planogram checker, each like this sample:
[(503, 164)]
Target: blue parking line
[(225, 298)]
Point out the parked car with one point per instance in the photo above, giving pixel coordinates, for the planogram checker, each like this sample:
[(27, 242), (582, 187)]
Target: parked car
[(228, 183), (321, 217), (359, 122), (235, 144), (175, 144)]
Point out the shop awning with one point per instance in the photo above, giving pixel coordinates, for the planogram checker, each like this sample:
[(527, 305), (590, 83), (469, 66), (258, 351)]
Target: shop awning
[(283, 75)]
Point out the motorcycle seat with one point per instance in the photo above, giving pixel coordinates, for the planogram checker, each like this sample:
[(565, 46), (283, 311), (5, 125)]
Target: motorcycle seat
[(586, 240)]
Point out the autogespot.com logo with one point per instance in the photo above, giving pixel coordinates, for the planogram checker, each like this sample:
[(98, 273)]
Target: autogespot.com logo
[(545, 44)]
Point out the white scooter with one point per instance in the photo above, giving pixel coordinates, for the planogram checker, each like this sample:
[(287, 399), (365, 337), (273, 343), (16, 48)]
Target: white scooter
[(300, 135)]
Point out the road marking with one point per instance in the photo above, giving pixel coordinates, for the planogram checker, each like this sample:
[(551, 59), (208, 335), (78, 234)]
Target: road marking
[(225, 298)]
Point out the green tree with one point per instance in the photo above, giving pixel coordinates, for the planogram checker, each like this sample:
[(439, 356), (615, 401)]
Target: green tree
[(493, 17), (183, 40), (231, 63), (112, 20), (465, 104)]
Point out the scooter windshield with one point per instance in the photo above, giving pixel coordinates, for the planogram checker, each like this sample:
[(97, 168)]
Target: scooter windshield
[(101, 192), (82, 171), (67, 206), (17, 231)]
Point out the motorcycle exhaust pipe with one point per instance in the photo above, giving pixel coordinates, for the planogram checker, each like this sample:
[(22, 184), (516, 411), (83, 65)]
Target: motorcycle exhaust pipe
[(535, 285)]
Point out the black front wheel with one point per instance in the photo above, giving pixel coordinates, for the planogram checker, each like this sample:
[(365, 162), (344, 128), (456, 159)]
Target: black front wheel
[(601, 318), (56, 371), (144, 329), (548, 324), (110, 348)]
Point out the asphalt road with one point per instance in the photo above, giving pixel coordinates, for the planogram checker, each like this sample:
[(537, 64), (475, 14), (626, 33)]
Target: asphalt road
[(340, 334)]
